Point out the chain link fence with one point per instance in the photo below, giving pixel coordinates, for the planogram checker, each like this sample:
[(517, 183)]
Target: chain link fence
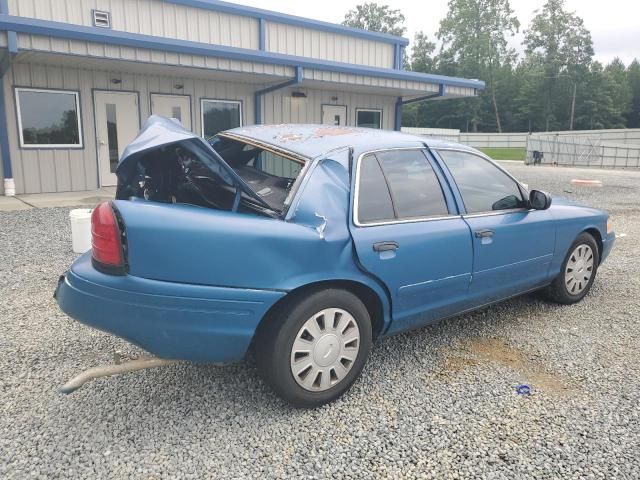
[(581, 151)]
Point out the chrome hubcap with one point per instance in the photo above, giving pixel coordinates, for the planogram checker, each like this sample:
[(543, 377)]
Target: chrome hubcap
[(579, 269), (325, 349)]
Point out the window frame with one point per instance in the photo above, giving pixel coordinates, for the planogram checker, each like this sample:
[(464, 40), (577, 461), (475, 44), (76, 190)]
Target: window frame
[(356, 192), (218, 100), (461, 205), (378, 110), (49, 146)]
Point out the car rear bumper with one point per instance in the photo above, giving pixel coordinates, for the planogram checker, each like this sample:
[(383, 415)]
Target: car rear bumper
[(170, 320)]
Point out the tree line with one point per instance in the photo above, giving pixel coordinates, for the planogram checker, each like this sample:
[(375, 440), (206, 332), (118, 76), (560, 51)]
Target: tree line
[(555, 85)]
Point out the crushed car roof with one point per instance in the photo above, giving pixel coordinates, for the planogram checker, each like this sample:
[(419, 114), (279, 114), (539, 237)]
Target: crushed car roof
[(313, 140)]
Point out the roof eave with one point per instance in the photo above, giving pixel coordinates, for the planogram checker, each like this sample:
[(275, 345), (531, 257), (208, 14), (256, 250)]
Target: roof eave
[(136, 40)]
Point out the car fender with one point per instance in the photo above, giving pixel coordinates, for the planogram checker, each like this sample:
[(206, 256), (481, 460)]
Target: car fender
[(571, 220), (329, 181)]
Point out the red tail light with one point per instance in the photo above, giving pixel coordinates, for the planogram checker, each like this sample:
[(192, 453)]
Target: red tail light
[(106, 240)]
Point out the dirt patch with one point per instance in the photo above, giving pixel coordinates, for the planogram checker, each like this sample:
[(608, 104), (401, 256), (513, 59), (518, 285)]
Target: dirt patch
[(454, 364), (499, 352)]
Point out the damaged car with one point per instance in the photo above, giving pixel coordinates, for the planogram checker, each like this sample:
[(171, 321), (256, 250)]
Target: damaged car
[(303, 244)]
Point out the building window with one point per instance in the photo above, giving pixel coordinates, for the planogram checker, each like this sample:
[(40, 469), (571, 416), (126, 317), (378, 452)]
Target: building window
[(368, 118), (48, 118), (219, 115)]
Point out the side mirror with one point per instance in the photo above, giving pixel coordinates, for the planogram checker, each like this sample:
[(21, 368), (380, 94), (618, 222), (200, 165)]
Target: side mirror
[(539, 200)]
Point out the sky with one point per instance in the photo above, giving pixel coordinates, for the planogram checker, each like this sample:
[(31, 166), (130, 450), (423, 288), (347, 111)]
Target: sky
[(614, 24)]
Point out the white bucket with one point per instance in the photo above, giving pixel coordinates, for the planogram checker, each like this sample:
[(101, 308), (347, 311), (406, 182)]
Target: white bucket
[(81, 229), (9, 187)]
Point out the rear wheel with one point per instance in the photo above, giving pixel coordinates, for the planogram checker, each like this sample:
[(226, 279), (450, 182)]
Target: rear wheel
[(578, 271), (313, 348)]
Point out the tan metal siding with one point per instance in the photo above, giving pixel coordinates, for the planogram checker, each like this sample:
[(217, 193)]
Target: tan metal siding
[(49, 170), (280, 107), (305, 42), (366, 81), (74, 47), (150, 17)]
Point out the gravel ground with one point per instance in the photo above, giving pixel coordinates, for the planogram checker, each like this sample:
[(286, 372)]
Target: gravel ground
[(439, 402)]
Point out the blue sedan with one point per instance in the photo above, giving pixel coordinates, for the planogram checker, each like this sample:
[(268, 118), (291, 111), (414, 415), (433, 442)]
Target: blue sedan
[(303, 244)]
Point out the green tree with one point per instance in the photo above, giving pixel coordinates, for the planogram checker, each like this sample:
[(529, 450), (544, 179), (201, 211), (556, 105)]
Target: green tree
[(595, 104), (529, 112), (563, 45), (377, 18), (633, 78), (474, 36), (422, 59)]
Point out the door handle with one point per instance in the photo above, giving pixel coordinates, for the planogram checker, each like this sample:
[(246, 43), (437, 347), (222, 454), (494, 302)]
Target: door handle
[(483, 233), (385, 246)]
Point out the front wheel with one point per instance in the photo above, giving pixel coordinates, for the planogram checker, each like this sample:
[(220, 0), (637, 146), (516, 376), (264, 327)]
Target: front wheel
[(578, 271), (313, 348)]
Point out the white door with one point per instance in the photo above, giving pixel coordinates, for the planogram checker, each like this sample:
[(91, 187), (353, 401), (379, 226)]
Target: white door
[(334, 115), (172, 106), (117, 124)]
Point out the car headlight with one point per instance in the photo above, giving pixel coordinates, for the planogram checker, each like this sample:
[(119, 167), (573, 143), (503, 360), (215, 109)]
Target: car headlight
[(609, 226)]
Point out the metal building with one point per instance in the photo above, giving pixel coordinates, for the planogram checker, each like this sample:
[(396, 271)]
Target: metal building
[(80, 76)]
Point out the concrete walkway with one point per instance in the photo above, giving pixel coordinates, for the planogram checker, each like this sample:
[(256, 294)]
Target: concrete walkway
[(87, 198)]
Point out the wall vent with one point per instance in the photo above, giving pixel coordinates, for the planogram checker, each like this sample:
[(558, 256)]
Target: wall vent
[(101, 19)]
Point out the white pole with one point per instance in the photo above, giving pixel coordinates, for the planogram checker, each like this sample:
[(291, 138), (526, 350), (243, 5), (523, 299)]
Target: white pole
[(9, 187)]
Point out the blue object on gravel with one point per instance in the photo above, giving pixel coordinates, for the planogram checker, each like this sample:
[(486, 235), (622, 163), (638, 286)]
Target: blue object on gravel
[(523, 389)]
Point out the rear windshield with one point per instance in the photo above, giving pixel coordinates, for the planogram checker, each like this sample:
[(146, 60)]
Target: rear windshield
[(270, 175)]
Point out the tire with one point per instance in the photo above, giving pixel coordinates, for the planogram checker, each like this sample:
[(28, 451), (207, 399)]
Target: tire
[(317, 329), (572, 284)]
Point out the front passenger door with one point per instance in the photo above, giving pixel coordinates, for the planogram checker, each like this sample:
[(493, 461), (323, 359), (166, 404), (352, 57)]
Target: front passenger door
[(512, 245), (408, 234)]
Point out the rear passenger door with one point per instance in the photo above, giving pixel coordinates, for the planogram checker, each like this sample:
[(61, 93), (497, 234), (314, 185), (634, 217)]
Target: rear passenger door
[(408, 233)]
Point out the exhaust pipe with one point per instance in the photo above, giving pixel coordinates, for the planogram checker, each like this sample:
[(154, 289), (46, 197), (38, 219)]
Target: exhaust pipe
[(106, 371)]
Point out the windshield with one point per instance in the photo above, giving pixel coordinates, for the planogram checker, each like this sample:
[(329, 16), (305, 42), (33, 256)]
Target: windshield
[(270, 174)]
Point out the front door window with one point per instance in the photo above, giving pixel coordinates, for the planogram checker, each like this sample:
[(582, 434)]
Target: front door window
[(483, 186)]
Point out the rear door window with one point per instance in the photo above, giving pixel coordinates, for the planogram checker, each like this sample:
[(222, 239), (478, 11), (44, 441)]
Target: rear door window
[(374, 199), (398, 185)]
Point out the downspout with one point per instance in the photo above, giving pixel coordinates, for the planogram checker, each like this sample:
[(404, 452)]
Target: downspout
[(442, 90), (258, 95), (12, 47), (262, 36)]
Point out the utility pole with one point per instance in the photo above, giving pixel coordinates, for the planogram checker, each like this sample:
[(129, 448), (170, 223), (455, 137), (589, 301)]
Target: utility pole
[(573, 104)]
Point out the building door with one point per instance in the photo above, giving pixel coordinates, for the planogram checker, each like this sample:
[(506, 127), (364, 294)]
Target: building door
[(117, 124), (172, 106), (334, 115)]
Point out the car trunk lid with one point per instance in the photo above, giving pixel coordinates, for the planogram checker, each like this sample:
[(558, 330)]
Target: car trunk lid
[(158, 132)]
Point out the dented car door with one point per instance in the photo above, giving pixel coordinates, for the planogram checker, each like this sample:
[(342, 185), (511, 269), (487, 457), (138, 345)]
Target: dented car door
[(407, 233)]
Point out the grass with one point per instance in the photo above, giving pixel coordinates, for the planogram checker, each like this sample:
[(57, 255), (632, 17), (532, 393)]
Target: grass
[(505, 153)]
